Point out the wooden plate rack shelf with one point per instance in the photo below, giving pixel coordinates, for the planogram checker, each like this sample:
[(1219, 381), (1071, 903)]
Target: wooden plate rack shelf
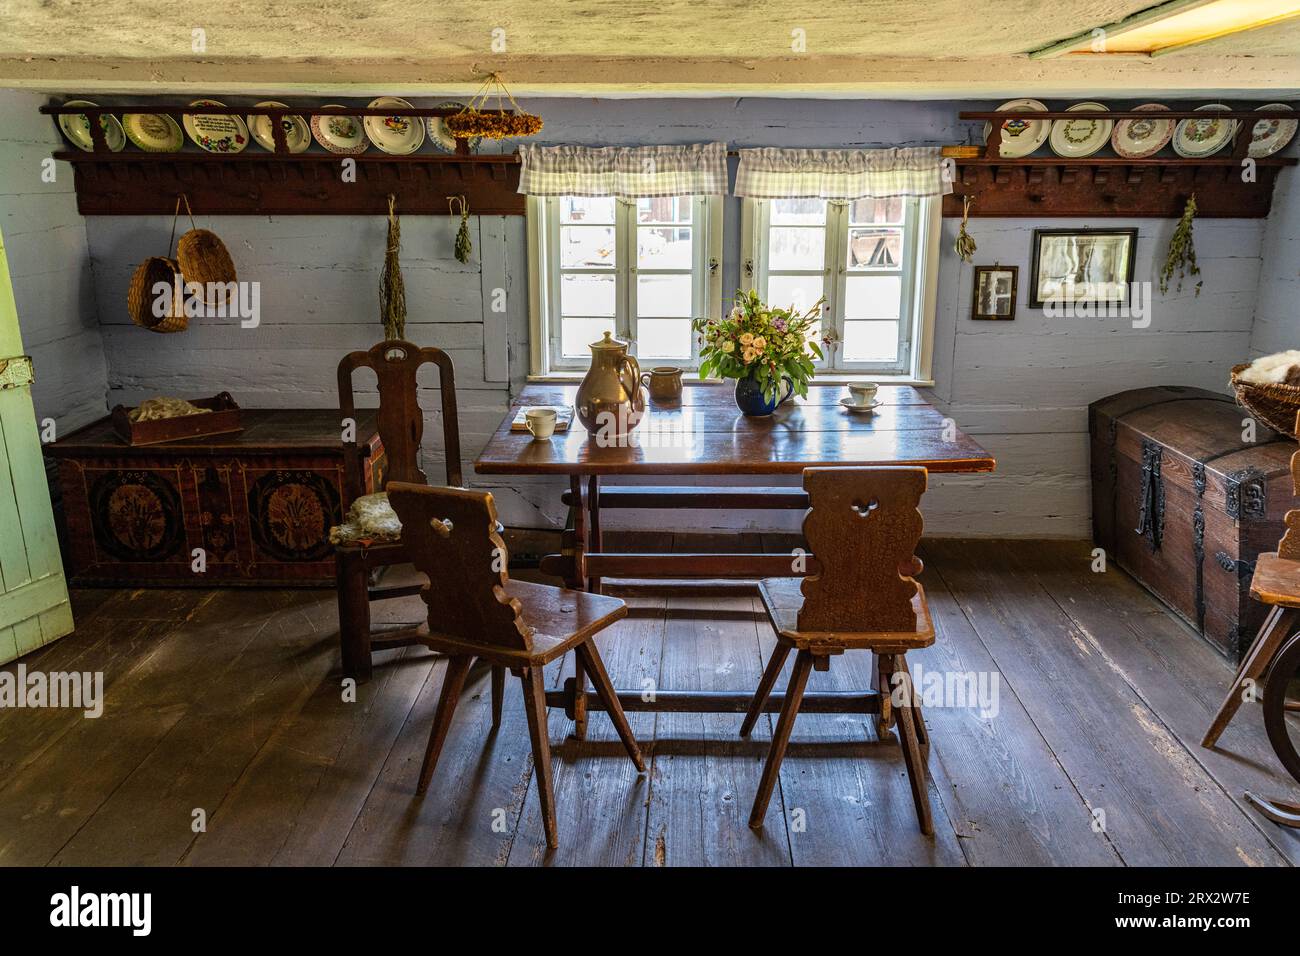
[(280, 183), (1111, 186)]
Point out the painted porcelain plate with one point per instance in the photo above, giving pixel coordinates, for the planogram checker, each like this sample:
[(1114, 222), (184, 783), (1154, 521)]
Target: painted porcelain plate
[(339, 134), (215, 133), (296, 133), (1077, 138), (440, 137), (1020, 137), (76, 127), (153, 132), (1198, 138), (1140, 138), (398, 135), (1269, 136)]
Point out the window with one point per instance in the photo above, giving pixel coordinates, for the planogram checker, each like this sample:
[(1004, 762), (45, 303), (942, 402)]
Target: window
[(638, 268), (871, 259)]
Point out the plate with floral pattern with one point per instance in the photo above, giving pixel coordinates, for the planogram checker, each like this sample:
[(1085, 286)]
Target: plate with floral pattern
[(1140, 138), (153, 132), (215, 132), (296, 134), (398, 135), (1020, 137), (1077, 138), (1269, 136), (76, 127), (441, 137), (338, 133), (1198, 138)]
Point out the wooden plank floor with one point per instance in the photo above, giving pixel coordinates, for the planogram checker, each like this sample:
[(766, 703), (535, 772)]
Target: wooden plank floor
[(227, 739)]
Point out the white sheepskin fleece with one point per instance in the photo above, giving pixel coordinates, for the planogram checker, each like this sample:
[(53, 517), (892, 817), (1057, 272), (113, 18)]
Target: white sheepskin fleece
[(1280, 368)]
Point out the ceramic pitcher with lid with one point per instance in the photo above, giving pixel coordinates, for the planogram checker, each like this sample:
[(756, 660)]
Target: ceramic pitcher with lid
[(610, 400)]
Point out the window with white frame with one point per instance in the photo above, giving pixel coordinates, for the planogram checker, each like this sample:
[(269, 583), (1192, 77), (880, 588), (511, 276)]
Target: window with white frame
[(641, 269), (871, 260)]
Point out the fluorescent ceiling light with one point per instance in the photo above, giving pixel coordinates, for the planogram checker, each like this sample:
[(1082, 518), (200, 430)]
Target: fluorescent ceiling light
[(1175, 26)]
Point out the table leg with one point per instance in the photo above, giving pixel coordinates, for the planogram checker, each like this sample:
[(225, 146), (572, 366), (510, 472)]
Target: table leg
[(354, 614), (581, 543), (594, 539)]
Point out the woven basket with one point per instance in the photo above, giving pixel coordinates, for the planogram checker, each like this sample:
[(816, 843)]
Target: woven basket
[(140, 296), (204, 259), (1273, 403)]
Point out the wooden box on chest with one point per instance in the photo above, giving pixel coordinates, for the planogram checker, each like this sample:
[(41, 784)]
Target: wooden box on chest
[(1183, 501), (259, 503)]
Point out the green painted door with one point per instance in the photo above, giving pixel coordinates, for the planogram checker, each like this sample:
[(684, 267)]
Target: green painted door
[(34, 607)]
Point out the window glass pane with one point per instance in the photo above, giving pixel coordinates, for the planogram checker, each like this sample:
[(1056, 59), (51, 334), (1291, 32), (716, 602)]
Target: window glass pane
[(872, 297), (663, 339), (587, 295), (577, 334), (870, 342), (587, 209), (797, 291), (876, 249), (663, 247), (586, 247), (796, 248), (876, 210), (798, 212), (664, 295), (664, 209)]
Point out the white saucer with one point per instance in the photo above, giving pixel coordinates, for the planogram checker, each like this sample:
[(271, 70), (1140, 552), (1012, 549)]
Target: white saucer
[(870, 406)]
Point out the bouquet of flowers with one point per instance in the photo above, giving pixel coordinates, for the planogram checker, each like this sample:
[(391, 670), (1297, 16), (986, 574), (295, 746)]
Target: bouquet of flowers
[(755, 340)]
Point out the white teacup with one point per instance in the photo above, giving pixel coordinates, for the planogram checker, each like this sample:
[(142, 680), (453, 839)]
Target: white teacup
[(540, 422), (863, 393)]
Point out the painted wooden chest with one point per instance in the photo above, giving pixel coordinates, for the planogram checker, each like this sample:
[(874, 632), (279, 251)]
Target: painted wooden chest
[(1184, 500), (253, 508)]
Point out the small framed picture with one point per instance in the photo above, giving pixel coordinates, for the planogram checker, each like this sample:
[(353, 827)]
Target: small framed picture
[(1070, 266), (995, 292)]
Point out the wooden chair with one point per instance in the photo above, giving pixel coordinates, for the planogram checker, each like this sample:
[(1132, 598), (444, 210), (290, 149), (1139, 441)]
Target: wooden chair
[(477, 611), (401, 427), (862, 528)]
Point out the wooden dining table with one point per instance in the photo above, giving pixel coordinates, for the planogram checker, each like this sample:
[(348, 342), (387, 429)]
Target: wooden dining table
[(703, 436)]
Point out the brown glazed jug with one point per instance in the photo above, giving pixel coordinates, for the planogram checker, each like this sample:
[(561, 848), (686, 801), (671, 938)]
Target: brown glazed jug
[(610, 402)]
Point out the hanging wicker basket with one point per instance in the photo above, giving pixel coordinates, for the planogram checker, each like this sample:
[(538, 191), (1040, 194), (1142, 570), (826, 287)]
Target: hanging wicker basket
[(1273, 403), (141, 297), (204, 259)]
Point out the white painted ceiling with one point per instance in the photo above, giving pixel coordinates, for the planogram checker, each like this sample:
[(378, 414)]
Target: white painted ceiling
[(900, 48)]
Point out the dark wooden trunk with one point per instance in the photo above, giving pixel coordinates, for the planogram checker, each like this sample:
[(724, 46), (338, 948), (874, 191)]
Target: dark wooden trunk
[(1183, 502), (260, 503)]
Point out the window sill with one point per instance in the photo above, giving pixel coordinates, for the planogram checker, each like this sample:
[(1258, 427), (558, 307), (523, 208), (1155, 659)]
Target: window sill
[(830, 378)]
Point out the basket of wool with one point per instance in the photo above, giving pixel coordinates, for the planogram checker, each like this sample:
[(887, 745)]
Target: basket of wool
[(1269, 388)]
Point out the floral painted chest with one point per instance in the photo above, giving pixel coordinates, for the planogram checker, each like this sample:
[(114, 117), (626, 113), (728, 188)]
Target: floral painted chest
[(254, 508)]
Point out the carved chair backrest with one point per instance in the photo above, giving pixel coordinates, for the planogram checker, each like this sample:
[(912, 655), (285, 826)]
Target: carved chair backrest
[(1289, 546), (401, 421), (862, 526), (451, 536)]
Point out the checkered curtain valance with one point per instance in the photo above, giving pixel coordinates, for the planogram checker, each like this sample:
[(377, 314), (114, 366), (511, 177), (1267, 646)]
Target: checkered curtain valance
[(772, 173), (628, 172)]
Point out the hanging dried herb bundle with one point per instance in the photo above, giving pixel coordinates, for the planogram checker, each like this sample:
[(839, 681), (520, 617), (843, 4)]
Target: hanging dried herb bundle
[(964, 245), (1182, 252), (474, 120), (464, 245), (392, 293)]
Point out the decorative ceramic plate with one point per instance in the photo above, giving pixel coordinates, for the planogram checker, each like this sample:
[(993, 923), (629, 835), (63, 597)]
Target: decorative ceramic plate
[(1020, 137), (1140, 138), (215, 133), (441, 137), (339, 134), (1077, 138), (394, 134), (853, 406), (153, 132), (1198, 138), (296, 134), (1269, 136), (76, 127)]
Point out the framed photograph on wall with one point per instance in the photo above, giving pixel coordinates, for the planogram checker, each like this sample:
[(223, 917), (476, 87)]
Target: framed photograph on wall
[(995, 292), (1070, 266)]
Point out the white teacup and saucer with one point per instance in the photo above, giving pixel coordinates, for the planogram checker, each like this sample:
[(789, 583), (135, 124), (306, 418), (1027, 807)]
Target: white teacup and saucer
[(861, 397)]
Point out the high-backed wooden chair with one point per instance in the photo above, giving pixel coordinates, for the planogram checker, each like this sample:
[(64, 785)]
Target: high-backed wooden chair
[(396, 364), (862, 527), (477, 611)]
